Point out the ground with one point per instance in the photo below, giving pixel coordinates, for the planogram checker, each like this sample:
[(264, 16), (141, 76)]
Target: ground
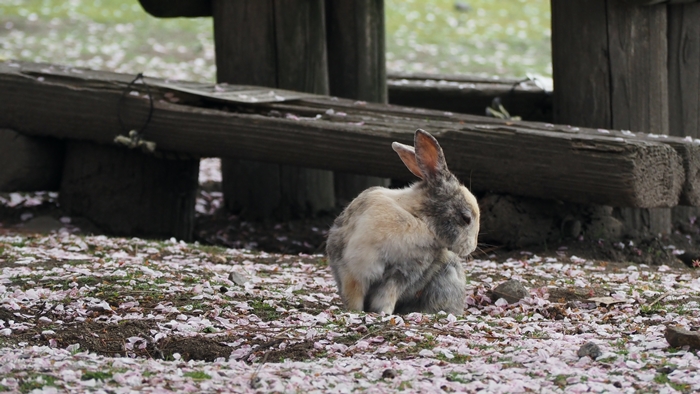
[(87, 312), (253, 308)]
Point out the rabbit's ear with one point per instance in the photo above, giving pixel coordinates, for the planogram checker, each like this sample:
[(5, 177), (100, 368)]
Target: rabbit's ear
[(429, 156), (408, 157)]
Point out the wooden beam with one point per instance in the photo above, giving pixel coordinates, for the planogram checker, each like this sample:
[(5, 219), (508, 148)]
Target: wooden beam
[(521, 158), (471, 94)]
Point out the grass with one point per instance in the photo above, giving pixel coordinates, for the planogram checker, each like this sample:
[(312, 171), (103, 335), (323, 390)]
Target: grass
[(508, 37), (456, 377), (97, 375), (197, 375), (264, 311), (36, 381), (662, 378)]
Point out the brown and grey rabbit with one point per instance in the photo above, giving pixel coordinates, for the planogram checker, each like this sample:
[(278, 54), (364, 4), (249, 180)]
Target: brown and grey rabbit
[(398, 250)]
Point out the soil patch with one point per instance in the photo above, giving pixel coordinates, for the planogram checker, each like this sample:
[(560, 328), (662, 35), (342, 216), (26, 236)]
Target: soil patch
[(218, 227), (127, 339)]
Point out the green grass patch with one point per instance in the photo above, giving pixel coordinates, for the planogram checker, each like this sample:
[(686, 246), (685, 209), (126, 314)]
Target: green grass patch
[(264, 311), (560, 381), (36, 381), (97, 375), (197, 375), (456, 377), (662, 378)]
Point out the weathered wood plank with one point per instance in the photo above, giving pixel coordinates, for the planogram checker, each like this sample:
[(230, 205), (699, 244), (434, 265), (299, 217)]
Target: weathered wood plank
[(356, 49), (638, 52), (29, 163), (684, 86), (282, 44), (129, 193), (356, 70), (489, 154), (684, 69), (609, 66), (470, 95), (581, 88)]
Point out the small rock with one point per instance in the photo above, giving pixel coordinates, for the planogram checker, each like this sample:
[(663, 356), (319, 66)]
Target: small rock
[(511, 290), (678, 337), (389, 373), (237, 278), (589, 349)]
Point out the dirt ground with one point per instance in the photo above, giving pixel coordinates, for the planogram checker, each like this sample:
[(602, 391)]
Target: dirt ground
[(218, 227), (113, 297)]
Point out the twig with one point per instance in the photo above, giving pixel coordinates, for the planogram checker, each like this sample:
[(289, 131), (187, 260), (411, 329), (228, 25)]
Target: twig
[(277, 339), (661, 297)]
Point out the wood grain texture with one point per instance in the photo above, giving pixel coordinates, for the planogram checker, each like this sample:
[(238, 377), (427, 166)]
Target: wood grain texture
[(239, 46), (684, 69), (282, 44), (356, 49), (580, 63), (609, 66), (356, 70), (29, 163), (638, 71), (126, 192), (545, 161), (471, 95), (302, 57)]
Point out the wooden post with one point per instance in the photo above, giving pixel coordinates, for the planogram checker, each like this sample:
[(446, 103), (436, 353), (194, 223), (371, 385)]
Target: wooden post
[(276, 43), (609, 63), (684, 84), (684, 69), (356, 69), (126, 192), (29, 163)]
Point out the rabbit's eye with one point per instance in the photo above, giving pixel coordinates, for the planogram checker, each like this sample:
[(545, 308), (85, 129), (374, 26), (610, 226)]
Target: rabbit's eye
[(466, 218)]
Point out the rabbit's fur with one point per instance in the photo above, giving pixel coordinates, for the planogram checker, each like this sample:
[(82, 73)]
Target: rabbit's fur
[(398, 250)]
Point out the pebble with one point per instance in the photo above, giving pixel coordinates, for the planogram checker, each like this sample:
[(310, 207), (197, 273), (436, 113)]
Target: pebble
[(678, 337), (389, 373), (589, 349), (511, 290)]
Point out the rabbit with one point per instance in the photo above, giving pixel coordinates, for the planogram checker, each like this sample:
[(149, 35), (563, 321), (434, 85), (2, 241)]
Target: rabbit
[(398, 250)]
